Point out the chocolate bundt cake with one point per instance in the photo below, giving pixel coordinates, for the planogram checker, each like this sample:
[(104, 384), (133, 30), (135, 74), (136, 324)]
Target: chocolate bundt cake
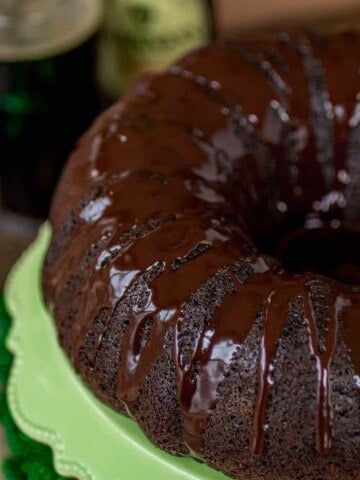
[(163, 302)]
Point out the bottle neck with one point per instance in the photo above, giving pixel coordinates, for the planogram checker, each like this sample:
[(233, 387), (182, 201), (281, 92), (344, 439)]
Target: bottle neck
[(34, 29)]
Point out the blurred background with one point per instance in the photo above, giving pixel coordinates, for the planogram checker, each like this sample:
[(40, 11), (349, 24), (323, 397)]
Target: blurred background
[(63, 61)]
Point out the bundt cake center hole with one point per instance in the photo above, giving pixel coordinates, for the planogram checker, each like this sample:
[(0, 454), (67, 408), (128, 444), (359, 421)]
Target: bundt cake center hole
[(326, 251)]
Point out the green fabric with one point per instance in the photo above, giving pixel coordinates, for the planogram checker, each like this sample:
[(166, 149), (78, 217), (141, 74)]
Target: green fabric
[(27, 460)]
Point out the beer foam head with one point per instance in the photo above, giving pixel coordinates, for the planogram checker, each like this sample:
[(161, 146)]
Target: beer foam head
[(35, 29)]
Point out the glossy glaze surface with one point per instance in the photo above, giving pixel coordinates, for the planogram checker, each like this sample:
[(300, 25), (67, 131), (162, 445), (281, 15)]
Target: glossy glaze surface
[(240, 148)]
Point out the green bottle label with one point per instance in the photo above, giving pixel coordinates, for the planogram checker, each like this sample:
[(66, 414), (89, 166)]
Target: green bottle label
[(147, 35)]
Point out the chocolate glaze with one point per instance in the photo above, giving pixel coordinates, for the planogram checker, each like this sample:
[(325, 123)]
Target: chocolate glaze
[(240, 148)]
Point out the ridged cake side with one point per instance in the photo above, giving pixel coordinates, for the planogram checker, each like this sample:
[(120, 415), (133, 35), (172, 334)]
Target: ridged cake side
[(161, 299)]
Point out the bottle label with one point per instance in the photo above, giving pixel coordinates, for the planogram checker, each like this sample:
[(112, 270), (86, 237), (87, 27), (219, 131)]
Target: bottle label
[(143, 35)]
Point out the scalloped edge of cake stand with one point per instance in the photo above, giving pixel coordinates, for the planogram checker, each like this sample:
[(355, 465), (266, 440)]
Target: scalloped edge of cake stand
[(50, 403)]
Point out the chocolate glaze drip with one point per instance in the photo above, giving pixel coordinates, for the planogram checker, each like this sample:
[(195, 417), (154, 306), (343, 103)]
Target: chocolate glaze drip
[(352, 192), (164, 206), (264, 66), (323, 355), (320, 110)]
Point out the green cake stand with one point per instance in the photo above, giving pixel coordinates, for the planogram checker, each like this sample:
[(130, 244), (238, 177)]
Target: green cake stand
[(50, 403)]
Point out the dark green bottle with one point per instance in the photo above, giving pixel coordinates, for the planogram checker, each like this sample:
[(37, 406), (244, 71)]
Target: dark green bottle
[(148, 35), (48, 94)]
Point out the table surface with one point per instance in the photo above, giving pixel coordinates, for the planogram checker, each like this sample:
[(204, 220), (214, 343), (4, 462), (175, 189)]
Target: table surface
[(232, 14), (16, 234)]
